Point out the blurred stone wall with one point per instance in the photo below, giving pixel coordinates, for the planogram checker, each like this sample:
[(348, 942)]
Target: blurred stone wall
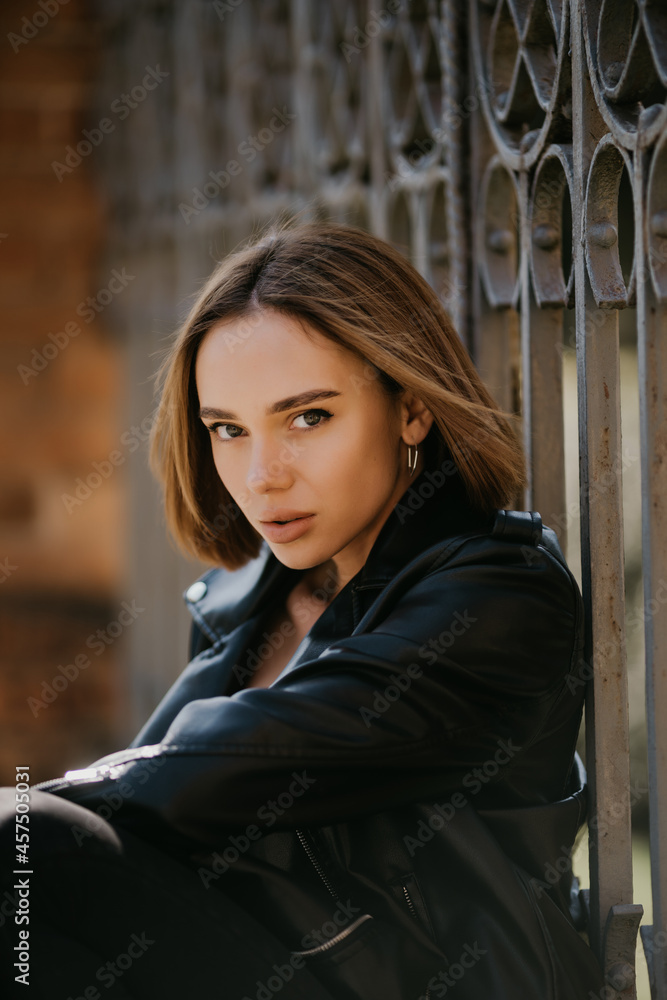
[(62, 518)]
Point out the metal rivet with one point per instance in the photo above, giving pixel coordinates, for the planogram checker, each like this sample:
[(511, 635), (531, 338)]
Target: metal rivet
[(659, 224), (604, 234), (546, 237), (500, 240), (196, 591)]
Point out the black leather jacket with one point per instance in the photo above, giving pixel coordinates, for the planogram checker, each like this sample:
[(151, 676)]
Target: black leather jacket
[(400, 804)]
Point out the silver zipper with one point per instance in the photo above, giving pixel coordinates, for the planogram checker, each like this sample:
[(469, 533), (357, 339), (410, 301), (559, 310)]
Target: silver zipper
[(77, 777), (318, 867), (410, 903), (348, 930), (411, 907), (42, 786), (338, 937)]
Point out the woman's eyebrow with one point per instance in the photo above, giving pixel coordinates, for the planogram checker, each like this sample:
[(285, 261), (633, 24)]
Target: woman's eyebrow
[(289, 403)]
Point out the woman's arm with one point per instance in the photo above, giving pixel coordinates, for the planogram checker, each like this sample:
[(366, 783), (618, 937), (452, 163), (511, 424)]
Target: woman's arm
[(471, 663)]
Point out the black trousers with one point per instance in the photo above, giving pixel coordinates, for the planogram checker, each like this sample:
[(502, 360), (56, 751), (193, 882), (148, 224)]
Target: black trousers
[(110, 916)]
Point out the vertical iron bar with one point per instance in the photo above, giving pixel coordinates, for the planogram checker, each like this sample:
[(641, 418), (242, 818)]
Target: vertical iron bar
[(453, 73), (652, 362), (547, 428), (525, 318), (494, 337), (377, 124), (601, 543)]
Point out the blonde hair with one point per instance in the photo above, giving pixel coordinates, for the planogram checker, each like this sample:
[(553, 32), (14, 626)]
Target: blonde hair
[(361, 293)]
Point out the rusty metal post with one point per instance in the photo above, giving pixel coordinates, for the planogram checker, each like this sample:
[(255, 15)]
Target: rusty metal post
[(594, 207), (651, 238)]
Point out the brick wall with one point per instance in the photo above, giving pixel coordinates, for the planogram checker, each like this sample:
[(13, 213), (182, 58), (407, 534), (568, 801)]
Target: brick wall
[(62, 561)]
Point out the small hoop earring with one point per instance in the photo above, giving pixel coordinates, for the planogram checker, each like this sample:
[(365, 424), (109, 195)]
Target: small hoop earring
[(412, 464)]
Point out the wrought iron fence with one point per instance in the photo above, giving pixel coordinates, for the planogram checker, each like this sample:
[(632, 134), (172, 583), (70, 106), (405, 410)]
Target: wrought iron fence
[(516, 150)]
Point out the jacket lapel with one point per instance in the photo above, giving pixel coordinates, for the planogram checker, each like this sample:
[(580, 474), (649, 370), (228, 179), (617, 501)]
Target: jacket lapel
[(422, 518), (230, 606)]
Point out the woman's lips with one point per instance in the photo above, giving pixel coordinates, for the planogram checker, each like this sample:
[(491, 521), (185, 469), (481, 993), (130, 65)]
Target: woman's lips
[(287, 532)]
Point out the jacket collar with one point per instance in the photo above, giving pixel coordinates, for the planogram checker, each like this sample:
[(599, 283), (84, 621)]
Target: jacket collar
[(434, 507)]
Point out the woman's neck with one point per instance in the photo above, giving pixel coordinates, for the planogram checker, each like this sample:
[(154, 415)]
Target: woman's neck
[(322, 582)]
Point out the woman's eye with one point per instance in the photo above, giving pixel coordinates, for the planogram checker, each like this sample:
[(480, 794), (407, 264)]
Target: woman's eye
[(226, 432), (312, 418), (309, 418)]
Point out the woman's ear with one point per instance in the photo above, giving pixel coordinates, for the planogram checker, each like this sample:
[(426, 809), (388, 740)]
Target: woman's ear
[(417, 420)]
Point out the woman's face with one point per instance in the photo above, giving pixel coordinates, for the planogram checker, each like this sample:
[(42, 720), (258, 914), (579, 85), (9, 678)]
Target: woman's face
[(301, 429)]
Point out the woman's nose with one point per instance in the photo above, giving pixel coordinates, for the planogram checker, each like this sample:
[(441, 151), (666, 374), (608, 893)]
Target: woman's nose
[(270, 467)]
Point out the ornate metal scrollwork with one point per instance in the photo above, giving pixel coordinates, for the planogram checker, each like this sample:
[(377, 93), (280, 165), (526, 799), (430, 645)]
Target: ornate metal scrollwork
[(656, 212), (611, 288), (498, 234), (627, 64), (521, 52), (572, 147), (550, 245), (517, 151)]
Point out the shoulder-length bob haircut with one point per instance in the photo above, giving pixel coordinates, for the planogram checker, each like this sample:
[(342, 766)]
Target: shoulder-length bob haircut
[(361, 293)]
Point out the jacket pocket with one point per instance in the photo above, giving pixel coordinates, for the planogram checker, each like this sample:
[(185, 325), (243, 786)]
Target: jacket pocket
[(336, 939), (409, 895), (367, 961), (573, 967), (548, 957)]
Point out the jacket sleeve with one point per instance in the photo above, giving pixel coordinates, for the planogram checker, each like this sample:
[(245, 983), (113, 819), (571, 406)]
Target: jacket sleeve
[(472, 656)]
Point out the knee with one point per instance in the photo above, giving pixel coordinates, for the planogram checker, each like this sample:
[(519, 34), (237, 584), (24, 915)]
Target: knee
[(55, 826), (7, 820), (7, 802)]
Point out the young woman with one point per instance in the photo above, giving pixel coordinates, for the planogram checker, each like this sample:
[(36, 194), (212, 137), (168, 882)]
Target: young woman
[(361, 784)]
